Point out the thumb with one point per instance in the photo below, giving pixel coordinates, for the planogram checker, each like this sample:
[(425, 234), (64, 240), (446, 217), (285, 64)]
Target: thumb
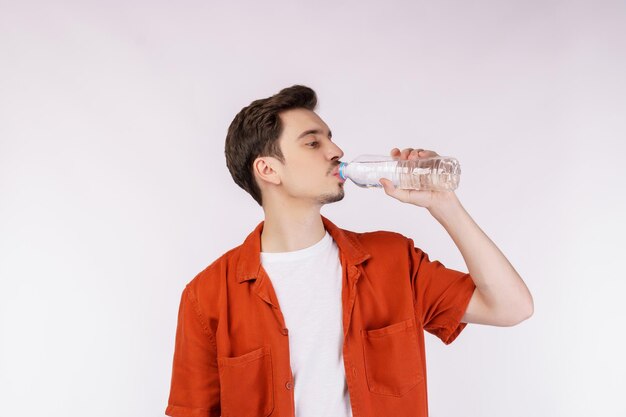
[(387, 185)]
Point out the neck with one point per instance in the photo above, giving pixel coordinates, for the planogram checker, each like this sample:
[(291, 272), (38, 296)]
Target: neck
[(291, 229)]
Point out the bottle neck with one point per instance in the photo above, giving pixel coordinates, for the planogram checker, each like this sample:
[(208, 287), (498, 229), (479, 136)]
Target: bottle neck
[(342, 170)]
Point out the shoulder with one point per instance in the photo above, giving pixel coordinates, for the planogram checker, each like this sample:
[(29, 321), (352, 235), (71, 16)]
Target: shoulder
[(379, 239), (391, 254), (382, 246), (207, 285)]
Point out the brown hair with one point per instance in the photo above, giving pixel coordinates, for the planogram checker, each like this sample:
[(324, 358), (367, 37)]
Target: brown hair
[(255, 130)]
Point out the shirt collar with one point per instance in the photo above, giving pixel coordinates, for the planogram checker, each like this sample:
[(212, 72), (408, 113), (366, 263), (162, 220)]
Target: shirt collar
[(250, 259)]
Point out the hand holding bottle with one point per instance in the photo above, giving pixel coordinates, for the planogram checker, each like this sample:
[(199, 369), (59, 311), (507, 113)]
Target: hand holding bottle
[(427, 198)]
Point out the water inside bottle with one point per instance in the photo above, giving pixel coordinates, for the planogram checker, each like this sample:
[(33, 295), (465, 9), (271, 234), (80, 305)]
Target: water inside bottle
[(429, 176)]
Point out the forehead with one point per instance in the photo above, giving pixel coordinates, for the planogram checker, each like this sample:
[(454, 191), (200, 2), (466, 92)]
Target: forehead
[(296, 121)]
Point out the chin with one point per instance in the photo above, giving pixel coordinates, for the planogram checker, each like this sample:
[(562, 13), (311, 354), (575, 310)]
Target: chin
[(332, 197)]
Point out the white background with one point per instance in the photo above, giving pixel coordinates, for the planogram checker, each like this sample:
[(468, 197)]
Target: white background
[(114, 190)]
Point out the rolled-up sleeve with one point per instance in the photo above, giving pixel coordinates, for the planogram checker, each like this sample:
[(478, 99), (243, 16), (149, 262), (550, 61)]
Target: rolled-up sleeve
[(441, 295), (195, 389)]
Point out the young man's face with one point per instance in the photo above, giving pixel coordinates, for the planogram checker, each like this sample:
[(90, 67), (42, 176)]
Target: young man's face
[(312, 159)]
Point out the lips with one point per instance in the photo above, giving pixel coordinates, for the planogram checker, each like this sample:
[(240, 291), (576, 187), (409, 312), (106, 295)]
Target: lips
[(335, 173)]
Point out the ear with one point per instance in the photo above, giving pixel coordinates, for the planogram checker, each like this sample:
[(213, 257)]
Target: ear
[(264, 169)]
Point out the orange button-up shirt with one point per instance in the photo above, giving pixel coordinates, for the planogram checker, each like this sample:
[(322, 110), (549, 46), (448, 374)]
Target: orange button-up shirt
[(231, 356)]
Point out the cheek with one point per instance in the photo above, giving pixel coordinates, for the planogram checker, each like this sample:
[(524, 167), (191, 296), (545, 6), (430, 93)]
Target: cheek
[(300, 176), (301, 180)]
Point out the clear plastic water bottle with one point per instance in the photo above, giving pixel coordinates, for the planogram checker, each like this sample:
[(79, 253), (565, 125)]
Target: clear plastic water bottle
[(438, 173)]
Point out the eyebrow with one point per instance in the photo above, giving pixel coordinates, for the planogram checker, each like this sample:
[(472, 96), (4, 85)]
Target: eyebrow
[(314, 132)]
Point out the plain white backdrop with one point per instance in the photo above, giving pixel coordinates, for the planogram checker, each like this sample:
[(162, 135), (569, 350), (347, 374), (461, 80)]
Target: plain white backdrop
[(114, 192)]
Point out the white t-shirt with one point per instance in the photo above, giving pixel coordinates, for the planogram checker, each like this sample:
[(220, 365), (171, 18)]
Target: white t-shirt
[(308, 286)]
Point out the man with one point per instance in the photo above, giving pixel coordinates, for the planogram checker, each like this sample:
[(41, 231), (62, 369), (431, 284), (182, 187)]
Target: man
[(306, 319)]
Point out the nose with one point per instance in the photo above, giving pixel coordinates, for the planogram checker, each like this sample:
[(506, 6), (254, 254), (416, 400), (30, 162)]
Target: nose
[(334, 151)]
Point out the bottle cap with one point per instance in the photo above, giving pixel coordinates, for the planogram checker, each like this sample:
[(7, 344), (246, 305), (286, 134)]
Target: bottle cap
[(341, 170)]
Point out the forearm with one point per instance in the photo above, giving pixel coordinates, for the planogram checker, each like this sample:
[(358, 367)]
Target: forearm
[(501, 287)]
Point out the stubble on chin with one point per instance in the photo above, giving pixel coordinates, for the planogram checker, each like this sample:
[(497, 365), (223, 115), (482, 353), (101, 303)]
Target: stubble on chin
[(332, 198)]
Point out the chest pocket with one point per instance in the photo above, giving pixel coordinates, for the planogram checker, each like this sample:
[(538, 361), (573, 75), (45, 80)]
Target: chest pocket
[(246, 384), (392, 358)]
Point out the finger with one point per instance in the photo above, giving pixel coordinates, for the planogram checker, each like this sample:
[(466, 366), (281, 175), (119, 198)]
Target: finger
[(392, 191), (405, 153), (428, 154), (394, 152)]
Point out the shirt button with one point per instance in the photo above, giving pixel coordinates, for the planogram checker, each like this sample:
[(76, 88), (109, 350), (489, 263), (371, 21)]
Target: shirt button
[(289, 385), (285, 331)]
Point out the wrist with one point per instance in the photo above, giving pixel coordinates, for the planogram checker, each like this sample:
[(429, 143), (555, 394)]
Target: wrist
[(445, 206)]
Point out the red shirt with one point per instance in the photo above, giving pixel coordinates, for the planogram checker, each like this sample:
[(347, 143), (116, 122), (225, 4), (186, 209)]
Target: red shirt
[(231, 355)]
